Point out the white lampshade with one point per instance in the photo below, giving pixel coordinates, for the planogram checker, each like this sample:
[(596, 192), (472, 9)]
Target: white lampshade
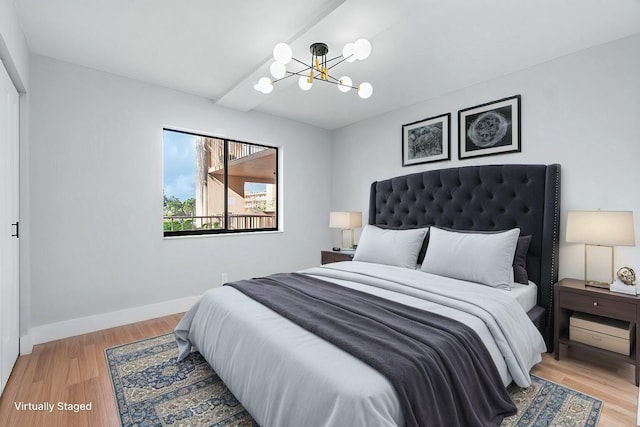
[(345, 84), (362, 49), (349, 51), (606, 228), (278, 70), (365, 90), (282, 53), (345, 220), (304, 84)]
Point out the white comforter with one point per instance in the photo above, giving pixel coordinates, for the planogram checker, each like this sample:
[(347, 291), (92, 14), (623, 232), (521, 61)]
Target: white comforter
[(286, 376)]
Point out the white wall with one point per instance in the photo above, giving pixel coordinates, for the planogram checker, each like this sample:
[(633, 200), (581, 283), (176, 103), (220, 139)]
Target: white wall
[(96, 195), (581, 110)]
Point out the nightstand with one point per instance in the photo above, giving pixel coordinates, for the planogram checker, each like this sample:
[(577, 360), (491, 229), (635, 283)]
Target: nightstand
[(572, 295), (327, 257)]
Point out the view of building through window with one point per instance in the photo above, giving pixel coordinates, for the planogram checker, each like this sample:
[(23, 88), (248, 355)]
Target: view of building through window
[(214, 185)]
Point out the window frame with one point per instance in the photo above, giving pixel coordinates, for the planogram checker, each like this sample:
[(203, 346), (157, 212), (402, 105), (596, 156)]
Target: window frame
[(226, 230)]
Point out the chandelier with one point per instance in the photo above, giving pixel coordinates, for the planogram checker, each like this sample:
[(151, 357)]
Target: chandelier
[(318, 69)]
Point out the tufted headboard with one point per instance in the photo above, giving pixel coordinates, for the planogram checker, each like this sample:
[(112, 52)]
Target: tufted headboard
[(483, 198)]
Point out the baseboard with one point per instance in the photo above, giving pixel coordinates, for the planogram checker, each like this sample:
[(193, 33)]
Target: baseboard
[(84, 325), (26, 346)]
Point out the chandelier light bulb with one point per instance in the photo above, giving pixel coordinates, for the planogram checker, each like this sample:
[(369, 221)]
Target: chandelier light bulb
[(282, 53), (345, 84), (303, 83), (264, 85), (278, 70), (362, 49), (267, 89), (365, 90), (348, 52)]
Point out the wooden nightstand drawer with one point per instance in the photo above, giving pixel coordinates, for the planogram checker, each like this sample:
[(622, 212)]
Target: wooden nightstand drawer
[(595, 304), (330, 256), (602, 332)]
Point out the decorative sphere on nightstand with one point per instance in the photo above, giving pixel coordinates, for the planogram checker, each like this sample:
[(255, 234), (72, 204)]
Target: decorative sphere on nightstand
[(627, 275)]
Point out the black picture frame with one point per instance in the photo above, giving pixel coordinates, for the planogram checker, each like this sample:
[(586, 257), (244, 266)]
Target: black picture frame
[(490, 128), (427, 140)]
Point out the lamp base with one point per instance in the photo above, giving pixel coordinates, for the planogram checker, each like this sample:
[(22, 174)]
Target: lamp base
[(594, 284)]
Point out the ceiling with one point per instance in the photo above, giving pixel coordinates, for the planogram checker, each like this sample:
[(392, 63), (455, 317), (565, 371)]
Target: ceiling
[(219, 49)]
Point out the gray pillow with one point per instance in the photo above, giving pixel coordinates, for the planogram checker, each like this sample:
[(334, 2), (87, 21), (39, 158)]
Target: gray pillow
[(391, 247), (484, 258), (520, 274)]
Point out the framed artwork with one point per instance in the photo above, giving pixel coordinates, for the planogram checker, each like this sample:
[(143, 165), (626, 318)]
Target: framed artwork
[(426, 140), (491, 128)]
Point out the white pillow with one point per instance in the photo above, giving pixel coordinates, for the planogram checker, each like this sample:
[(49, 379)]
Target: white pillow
[(484, 258), (391, 247)]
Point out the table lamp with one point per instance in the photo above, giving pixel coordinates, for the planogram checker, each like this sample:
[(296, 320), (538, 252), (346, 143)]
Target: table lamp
[(345, 221), (600, 228)]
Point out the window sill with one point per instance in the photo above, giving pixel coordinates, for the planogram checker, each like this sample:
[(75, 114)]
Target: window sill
[(239, 233)]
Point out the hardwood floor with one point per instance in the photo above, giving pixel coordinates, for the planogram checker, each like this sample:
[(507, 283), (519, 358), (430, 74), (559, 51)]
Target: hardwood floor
[(74, 370), (613, 383)]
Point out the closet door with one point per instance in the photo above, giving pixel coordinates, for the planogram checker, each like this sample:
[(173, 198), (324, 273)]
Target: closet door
[(9, 263)]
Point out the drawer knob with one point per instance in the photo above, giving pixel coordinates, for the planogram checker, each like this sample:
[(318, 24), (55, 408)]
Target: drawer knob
[(595, 303)]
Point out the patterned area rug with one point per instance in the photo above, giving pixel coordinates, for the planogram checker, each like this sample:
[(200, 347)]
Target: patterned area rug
[(151, 389), (546, 403)]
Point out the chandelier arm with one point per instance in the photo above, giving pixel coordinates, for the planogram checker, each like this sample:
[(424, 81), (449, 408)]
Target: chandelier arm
[(307, 68), (293, 73), (333, 78), (340, 62), (300, 73), (300, 62), (333, 59), (284, 78), (338, 83)]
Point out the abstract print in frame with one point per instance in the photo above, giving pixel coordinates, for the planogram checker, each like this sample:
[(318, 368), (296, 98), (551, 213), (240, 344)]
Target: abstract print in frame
[(426, 140), (491, 128)]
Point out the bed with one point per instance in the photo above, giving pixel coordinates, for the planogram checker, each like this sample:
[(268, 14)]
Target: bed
[(285, 375)]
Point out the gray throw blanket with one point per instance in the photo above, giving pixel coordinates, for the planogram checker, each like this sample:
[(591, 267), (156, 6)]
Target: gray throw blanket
[(439, 367)]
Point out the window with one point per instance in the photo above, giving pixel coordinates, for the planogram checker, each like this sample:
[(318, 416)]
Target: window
[(214, 185)]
